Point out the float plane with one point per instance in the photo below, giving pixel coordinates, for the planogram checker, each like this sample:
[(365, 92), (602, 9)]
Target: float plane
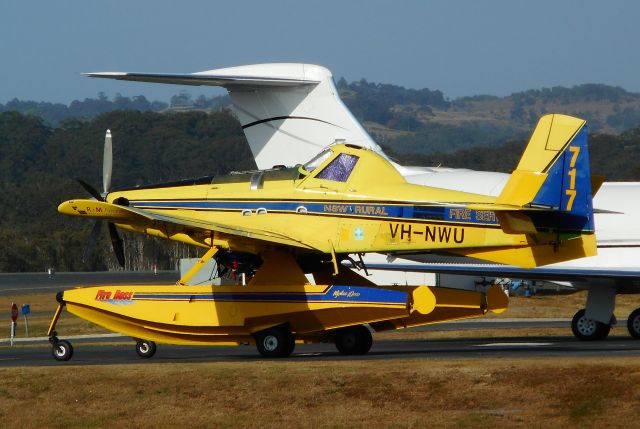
[(305, 220), (291, 111)]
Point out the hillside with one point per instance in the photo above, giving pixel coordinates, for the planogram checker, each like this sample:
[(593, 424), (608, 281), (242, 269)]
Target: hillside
[(420, 121), (424, 121)]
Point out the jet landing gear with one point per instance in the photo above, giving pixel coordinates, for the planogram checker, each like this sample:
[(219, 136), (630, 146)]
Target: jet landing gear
[(590, 330), (633, 324)]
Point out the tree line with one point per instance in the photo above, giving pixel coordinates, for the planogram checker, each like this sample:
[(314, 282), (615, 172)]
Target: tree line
[(613, 156), (39, 163)]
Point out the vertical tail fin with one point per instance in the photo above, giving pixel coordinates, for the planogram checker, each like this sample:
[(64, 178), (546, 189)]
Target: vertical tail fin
[(548, 198), (553, 178)]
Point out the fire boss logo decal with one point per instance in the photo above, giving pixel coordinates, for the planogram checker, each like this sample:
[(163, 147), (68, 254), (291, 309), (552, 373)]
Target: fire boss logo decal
[(105, 295)]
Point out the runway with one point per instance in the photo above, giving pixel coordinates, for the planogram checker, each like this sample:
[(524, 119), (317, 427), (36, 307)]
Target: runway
[(121, 352), (25, 283)]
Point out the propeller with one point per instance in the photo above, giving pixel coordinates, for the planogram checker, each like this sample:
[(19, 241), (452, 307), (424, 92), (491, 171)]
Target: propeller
[(116, 241)]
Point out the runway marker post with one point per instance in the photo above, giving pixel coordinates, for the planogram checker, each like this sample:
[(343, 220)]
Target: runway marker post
[(14, 321)]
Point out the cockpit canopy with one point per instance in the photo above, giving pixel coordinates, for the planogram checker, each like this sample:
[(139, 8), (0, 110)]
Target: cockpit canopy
[(338, 170)]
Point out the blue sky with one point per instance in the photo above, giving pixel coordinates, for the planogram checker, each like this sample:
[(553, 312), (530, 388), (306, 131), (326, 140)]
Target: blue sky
[(459, 47)]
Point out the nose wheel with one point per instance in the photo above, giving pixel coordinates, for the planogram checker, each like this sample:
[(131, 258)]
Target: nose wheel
[(61, 350)]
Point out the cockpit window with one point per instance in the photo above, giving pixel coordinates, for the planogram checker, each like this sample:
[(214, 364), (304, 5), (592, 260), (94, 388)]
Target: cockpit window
[(339, 169), (317, 160)]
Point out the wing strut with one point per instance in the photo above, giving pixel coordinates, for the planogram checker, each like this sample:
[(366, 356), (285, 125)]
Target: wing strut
[(198, 266)]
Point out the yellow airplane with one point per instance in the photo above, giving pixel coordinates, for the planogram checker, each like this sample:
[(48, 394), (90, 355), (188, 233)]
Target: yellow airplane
[(307, 219)]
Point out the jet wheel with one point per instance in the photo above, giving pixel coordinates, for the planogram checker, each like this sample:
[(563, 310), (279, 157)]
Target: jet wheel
[(145, 349), (354, 340), (588, 330), (62, 350), (275, 342), (633, 324)]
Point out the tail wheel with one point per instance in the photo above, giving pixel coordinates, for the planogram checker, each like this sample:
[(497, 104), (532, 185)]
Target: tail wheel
[(354, 340), (588, 330), (62, 350), (633, 323), (145, 349), (275, 342)]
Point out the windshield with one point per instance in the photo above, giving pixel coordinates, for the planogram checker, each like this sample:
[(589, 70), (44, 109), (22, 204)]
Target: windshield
[(339, 169), (317, 160)]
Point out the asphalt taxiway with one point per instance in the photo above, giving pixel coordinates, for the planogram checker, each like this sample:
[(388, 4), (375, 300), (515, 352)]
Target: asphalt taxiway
[(99, 351), (26, 283)]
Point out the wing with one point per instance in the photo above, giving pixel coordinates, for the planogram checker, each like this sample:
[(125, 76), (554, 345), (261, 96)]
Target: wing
[(496, 270), (99, 210)]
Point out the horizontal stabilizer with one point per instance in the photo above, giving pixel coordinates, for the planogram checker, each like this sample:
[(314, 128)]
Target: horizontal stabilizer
[(289, 112), (204, 78)]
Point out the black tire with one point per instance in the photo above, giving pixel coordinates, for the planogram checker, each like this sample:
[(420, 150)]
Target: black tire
[(145, 348), (633, 324), (291, 346), (62, 350), (275, 342), (354, 340), (588, 330)]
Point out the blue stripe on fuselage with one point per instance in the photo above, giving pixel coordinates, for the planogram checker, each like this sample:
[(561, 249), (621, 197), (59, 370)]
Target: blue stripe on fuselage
[(336, 293), (437, 213)]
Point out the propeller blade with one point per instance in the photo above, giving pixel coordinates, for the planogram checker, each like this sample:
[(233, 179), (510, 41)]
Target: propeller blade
[(90, 189), (91, 244), (116, 242), (107, 162)]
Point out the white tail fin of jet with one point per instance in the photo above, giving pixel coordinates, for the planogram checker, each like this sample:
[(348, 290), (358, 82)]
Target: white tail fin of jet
[(289, 112)]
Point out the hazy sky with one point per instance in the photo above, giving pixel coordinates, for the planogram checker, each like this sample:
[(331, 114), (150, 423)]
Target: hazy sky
[(460, 47)]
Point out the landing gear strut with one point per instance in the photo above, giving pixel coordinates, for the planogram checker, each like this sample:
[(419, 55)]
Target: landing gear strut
[(588, 330), (61, 350)]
